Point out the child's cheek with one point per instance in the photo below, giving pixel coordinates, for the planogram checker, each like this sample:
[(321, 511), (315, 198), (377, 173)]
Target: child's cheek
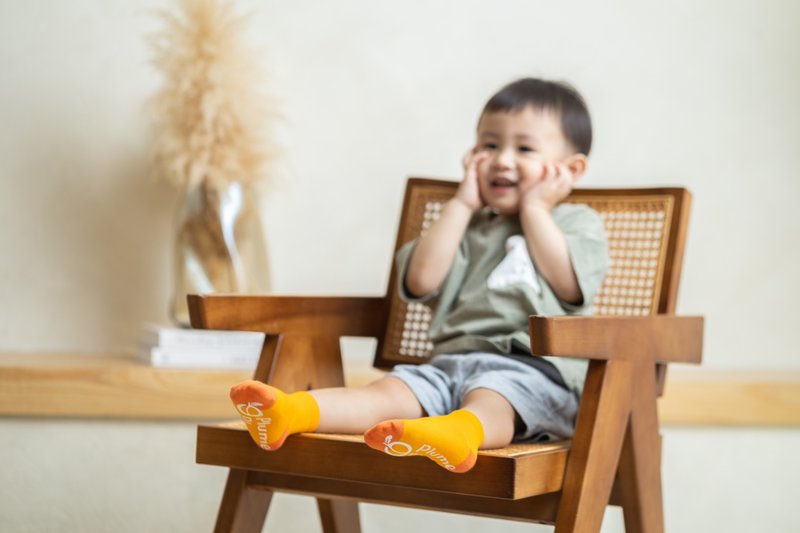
[(535, 173), (483, 168)]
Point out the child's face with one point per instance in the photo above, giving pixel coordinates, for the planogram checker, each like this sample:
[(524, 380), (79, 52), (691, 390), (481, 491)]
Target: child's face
[(517, 144)]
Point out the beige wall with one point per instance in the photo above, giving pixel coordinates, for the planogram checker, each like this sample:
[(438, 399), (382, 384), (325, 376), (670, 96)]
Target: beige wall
[(701, 94)]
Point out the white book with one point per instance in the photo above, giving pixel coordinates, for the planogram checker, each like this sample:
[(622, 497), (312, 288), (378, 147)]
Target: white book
[(206, 340), (166, 358), (209, 350)]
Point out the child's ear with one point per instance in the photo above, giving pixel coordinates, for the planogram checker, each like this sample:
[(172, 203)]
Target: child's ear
[(576, 164)]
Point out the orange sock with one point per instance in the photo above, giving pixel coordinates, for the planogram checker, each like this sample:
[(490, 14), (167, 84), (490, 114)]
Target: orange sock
[(451, 441), (272, 415)]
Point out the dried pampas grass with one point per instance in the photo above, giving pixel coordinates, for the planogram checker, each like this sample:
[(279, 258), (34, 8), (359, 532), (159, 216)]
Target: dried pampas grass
[(211, 115)]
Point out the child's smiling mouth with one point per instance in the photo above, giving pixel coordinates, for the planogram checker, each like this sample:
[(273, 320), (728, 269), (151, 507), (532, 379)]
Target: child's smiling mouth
[(502, 185)]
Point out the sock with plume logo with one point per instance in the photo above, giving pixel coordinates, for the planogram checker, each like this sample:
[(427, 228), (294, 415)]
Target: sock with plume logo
[(272, 415), (451, 441)]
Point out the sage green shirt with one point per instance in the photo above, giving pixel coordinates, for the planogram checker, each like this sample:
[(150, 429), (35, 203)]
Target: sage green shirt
[(492, 287)]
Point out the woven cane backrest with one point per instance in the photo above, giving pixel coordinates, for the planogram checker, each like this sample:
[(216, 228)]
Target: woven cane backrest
[(645, 230)]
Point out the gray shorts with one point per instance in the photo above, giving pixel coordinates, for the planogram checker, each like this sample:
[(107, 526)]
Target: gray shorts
[(547, 410)]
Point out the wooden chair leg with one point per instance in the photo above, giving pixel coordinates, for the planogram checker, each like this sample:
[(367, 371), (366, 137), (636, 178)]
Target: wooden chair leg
[(596, 445), (640, 463), (243, 509), (339, 516)]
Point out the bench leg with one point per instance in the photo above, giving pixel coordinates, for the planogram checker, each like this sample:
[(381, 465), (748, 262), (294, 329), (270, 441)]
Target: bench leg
[(339, 516), (243, 509)]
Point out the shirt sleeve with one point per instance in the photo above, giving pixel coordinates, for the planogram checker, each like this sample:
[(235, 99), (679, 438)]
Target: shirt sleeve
[(402, 259), (584, 232), (443, 298)]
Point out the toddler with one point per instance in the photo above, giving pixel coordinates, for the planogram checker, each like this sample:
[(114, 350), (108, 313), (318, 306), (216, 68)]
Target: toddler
[(503, 248)]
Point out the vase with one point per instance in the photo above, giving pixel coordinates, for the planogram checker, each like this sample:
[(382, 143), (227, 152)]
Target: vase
[(219, 244)]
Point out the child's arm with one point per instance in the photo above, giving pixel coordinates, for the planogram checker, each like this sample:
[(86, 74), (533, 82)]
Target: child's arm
[(434, 253), (546, 243)]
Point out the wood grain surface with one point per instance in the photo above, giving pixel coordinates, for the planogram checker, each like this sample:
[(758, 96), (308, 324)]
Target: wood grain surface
[(80, 385)]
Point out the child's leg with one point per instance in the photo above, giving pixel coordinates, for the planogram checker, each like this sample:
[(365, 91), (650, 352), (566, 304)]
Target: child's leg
[(344, 410), (271, 415), (497, 417), (485, 420)]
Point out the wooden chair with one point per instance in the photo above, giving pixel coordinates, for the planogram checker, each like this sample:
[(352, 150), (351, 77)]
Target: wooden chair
[(614, 456)]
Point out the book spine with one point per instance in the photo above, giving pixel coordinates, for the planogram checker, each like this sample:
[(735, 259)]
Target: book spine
[(161, 358), (207, 351), (205, 338)]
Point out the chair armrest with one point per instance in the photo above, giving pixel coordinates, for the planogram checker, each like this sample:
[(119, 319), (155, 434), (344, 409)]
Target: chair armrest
[(658, 338), (307, 315)]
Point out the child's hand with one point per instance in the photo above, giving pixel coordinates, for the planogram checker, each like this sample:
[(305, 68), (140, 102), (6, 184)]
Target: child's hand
[(469, 192), (555, 184)]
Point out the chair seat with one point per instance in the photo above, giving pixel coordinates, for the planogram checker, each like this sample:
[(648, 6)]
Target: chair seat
[(515, 472)]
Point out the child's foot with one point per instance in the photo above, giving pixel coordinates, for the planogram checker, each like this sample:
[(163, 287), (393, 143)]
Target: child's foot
[(451, 441), (271, 415)]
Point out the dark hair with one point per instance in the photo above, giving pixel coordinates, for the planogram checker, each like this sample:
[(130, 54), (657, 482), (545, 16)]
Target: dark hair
[(554, 96)]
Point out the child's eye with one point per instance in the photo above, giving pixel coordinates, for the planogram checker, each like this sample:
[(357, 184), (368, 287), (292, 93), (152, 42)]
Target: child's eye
[(489, 146), (526, 149)]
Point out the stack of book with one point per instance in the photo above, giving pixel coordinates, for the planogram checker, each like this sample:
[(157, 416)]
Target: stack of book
[(168, 347)]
